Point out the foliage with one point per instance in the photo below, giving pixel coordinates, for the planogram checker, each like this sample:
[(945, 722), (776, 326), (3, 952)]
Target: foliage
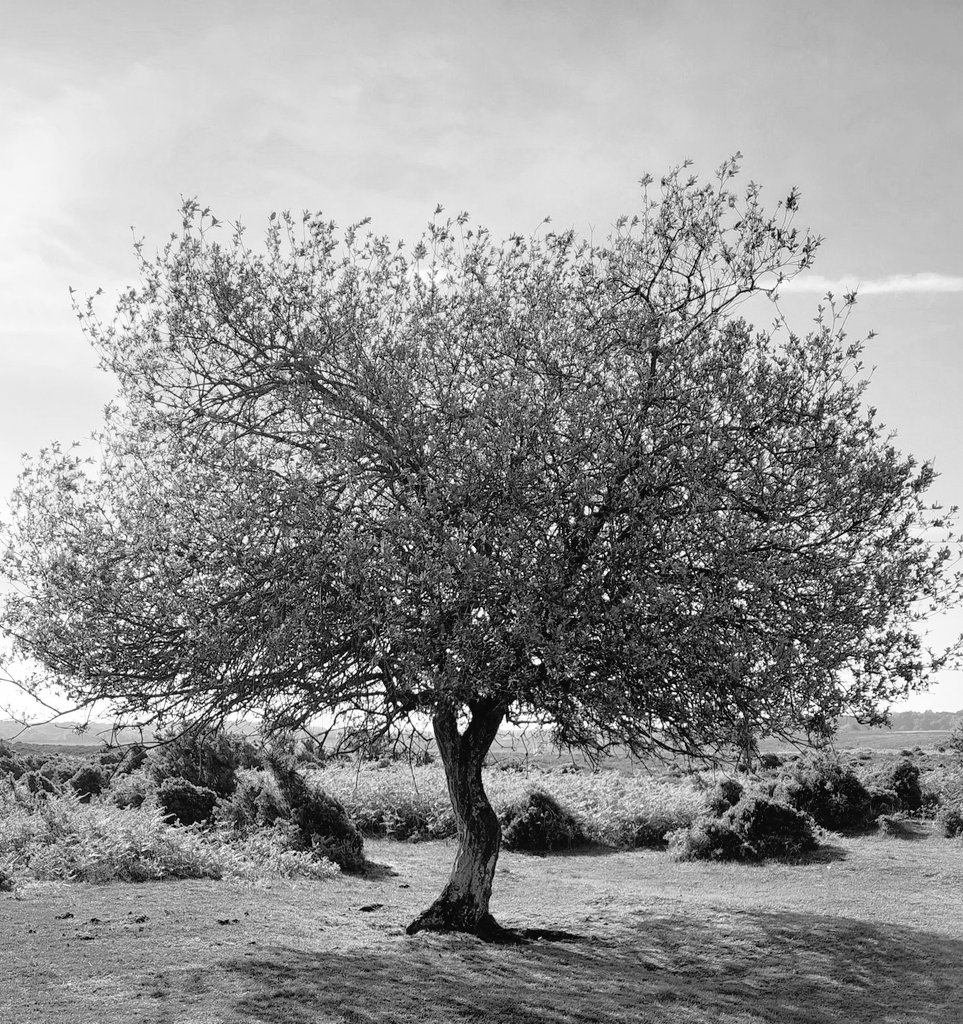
[(60, 838), (186, 803), (319, 821), (707, 838), (555, 474), (539, 823), (756, 828), (821, 786), (131, 789), (949, 821), (206, 759), (87, 781), (724, 794), (902, 779), (412, 801), (955, 742)]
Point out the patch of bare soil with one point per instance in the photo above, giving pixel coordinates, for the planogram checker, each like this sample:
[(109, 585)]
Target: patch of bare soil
[(870, 932)]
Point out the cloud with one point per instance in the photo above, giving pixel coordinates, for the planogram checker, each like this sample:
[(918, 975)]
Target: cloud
[(895, 284)]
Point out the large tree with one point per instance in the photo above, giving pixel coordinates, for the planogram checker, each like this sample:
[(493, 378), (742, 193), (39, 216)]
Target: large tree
[(475, 483)]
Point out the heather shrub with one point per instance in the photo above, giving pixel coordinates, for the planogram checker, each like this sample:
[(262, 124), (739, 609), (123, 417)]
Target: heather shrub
[(723, 795), (707, 838), (828, 792), (186, 803), (208, 760), (756, 828), (769, 828), (902, 779), (131, 789), (38, 784), (538, 823), (255, 803), (321, 824), (87, 781), (949, 821)]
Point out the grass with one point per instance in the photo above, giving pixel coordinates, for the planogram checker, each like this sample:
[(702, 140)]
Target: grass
[(870, 930)]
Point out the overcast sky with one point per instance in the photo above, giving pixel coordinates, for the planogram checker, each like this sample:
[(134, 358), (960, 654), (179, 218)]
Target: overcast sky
[(111, 111)]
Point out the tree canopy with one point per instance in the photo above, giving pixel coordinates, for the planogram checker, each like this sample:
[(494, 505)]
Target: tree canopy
[(540, 480)]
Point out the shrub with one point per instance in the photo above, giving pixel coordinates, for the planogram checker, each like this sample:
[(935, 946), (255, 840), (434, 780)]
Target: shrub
[(539, 823), (949, 821), (130, 790), (7, 880), (770, 828), (902, 779), (831, 794), (134, 758), (37, 783), (208, 760), (725, 794), (707, 838), (770, 762), (320, 821), (186, 803), (87, 781), (256, 802), (756, 828)]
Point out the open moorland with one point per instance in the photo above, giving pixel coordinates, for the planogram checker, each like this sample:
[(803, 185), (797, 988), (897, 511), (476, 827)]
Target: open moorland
[(246, 925)]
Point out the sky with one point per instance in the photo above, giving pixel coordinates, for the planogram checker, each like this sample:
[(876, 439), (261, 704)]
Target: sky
[(111, 112)]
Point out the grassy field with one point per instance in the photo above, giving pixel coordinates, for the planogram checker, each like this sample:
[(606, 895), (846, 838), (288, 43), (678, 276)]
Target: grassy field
[(870, 930)]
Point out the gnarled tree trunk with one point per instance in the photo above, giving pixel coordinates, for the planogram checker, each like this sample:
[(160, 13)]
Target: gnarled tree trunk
[(463, 903)]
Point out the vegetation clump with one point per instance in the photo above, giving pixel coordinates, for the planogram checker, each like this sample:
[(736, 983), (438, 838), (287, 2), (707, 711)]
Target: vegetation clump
[(186, 803), (832, 794), (725, 794), (898, 785), (949, 821), (87, 781), (538, 824), (754, 829)]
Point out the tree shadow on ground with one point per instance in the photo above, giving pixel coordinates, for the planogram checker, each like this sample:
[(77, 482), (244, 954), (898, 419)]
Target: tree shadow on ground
[(750, 968)]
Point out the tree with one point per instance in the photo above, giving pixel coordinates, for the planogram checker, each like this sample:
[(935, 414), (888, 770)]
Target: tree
[(545, 480)]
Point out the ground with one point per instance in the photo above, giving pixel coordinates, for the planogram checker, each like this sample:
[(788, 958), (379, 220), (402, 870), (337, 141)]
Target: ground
[(871, 930)]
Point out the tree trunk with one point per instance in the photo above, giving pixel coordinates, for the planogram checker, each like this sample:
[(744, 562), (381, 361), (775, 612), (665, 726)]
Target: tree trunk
[(463, 903)]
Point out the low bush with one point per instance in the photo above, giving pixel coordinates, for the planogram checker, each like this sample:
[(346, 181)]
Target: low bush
[(538, 823), (949, 821), (902, 780), (209, 760), (724, 794), (186, 803), (756, 828), (87, 781), (320, 822), (130, 790), (707, 838), (61, 839), (830, 793)]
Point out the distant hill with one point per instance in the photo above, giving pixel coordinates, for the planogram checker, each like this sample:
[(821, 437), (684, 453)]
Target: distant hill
[(66, 733)]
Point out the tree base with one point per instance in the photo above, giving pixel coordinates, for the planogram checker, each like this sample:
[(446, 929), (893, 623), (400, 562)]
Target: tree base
[(447, 917)]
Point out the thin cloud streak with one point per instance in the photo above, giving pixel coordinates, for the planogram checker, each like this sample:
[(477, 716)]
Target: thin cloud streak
[(895, 284)]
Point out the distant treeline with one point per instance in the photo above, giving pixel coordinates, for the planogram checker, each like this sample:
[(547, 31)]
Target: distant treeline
[(910, 721)]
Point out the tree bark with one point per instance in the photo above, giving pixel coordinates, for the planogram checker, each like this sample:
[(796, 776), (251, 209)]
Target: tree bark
[(463, 903)]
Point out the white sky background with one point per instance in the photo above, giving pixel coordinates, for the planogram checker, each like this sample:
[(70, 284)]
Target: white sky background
[(111, 111)]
